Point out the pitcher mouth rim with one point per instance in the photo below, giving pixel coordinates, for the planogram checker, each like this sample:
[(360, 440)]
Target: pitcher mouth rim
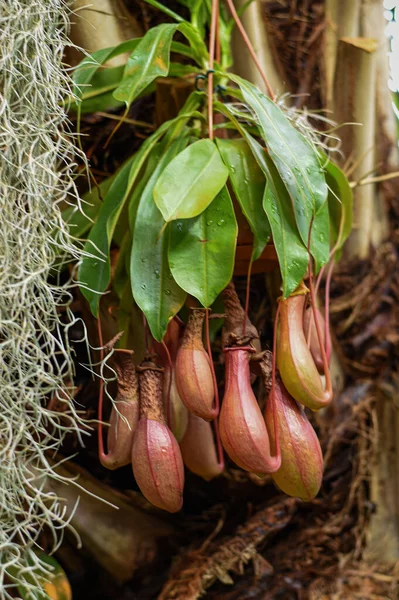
[(233, 348)]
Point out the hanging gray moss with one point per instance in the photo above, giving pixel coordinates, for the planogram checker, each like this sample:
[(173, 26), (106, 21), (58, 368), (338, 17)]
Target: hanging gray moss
[(36, 175)]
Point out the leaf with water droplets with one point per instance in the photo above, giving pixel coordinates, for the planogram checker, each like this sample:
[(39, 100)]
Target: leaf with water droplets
[(155, 292), (190, 182), (340, 203), (296, 161), (149, 60), (292, 254), (95, 270), (320, 238), (202, 250), (248, 183)]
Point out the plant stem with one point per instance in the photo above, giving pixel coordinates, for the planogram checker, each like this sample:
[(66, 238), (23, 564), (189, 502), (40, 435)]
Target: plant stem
[(100, 393), (209, 350), (250, 48), (247, 291), (212, 44), (168, 402), (272, 394)]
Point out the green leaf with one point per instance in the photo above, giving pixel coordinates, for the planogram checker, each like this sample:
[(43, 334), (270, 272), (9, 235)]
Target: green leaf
[(98, 95), (86, 70), (196, 42), (320, 238), (89, 70), (193, 103), (94, 272), (293, 156), (80, 221), (149, 60), (153, 286), (190, 182), (292, 254), (165, 10), (340, 203), (199, 16), (248, 182), (202, 250)]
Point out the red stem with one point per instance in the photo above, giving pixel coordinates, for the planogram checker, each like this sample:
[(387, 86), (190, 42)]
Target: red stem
[(316, 318), (318, 280), (319, 337), (217, 52), (168, 404), (327, 309), (209, 350), (212, 47), (100, 394), (250, 48), (273, 390), (248, 289)]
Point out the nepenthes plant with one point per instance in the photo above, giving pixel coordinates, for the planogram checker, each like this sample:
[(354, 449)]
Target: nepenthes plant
[(162, 235)]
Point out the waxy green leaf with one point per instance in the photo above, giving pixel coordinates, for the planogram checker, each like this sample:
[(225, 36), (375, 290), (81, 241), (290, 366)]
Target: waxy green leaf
[(190, 182), (320, 238), (340, 204), (248, 182), (94, 272), (296, 162), (202, 250), (86, 71), (153, 286), (89, 66), (149, 60), (292, 254)]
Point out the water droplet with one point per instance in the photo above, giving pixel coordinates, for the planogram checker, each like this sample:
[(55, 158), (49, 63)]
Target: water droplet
[(179, 226), (143, 286), (232, 169), (308, 170), (156, 273), (170, 276), (168, 292), (95, 264), (221, 222), (143, 260), (209, 222)]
